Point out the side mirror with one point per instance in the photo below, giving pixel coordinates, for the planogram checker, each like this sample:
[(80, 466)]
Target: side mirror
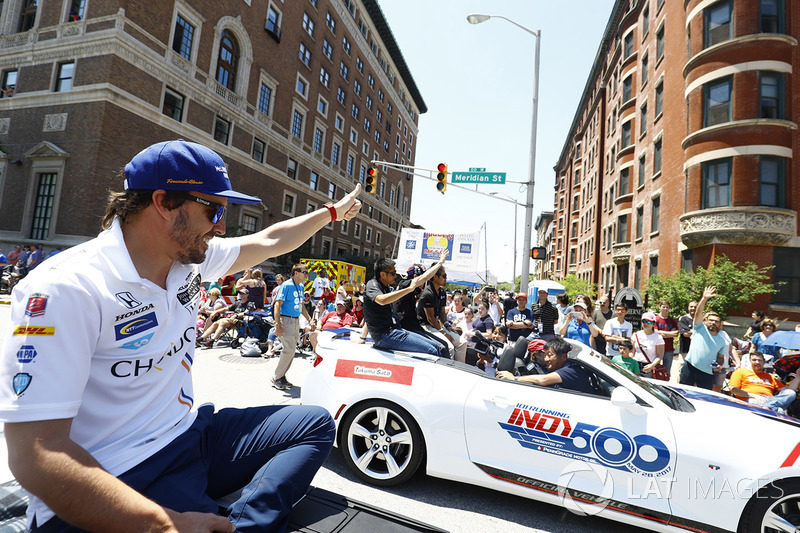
[(624, 399)]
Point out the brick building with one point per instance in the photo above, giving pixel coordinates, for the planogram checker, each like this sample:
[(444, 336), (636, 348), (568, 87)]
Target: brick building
[(297, 97), (682, 147)]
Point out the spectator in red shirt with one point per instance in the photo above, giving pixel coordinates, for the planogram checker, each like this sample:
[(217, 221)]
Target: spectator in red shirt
[(339, 318), (667, 327)]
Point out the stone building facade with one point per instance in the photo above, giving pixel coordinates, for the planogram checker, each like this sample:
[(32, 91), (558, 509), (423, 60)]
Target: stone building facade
[(297, 97), (681, 149)]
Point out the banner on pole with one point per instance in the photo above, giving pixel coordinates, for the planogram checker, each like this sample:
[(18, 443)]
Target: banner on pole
[(424, 247)]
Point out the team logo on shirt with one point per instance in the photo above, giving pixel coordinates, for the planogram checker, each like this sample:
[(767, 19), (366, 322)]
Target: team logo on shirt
[(135, 344), (36, 304), (135, 326), (21, 382), (26, 353), (135, 312), (45, 331), (189, 291), (127, 299)]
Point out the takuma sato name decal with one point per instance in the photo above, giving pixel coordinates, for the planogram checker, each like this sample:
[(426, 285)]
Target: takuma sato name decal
[(402, 375), (557, 433)]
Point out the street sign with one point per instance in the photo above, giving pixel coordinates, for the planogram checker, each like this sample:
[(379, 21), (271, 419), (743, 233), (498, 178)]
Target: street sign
[(478, 177), (477, 169)]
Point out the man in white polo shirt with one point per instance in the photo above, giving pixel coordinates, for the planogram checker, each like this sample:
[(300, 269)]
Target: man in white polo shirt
[(100, 419)]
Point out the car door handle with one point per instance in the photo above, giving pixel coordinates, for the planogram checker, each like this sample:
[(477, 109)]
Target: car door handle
[(499, 401)]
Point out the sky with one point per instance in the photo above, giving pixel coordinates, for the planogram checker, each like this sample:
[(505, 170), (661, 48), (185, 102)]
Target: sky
[(477, 82)]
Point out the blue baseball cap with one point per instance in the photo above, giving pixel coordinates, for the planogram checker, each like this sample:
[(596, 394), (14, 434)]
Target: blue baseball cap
[(182, 166)]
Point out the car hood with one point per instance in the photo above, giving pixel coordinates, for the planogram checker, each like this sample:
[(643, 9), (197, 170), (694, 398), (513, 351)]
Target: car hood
[(710, 401)]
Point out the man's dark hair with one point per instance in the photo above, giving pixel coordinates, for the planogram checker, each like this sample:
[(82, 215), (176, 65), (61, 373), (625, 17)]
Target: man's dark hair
[(297, 267), (383, 265), (562, 298), (132, 202), (559, 345), (622, 305), (626, 343)]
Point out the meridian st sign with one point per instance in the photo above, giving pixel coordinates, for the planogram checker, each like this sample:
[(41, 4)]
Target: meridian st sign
[(478, 177)]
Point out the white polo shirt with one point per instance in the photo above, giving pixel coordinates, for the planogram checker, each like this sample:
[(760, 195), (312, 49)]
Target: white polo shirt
[(93, 341)]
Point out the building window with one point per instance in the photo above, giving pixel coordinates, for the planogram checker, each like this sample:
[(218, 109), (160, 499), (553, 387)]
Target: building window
[(772, 18), (308, 24), (288, 204), (291, 169), (322, 107), (227, 61), (313, 181), (331, 22), (344, 70), (622, 228), (642, 167), (353, 136), (43, 206), (357, 230), (771, 179), (655, 214), (297, 124), (626, 133), (367, 124), (357, 88), (173, 105), (327, 49), (222, 130), (624, 181), (355, 111), (302, 87), (637, 275), (341, 95), (627, 88), (264, 97), (659, 99), (9, 84), (645, 72), (717, 183), (359, 64), (368, 234), (184, 35), (657, 158), (319, 139), (772, 94), (660, 44), (645, 21), (643, 119), (718, 27), (258, 150), (339, 122), (76, 10), (639, 222), (273, 25), (346, 45), (350, 164), (654, 266), (335, 150), (249, 224), (305, 55), (64, 77), (717, 102), (628, 44), (786, 276), (332, 191)]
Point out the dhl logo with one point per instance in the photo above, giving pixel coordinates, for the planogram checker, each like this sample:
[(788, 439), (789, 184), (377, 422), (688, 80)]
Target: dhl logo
[(35, 330)]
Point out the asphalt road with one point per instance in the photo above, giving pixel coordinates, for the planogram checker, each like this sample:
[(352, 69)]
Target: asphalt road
[(227, 380)]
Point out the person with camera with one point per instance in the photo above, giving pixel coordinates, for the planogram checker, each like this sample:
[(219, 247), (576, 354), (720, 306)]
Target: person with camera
[(489, 295), (578, 324)]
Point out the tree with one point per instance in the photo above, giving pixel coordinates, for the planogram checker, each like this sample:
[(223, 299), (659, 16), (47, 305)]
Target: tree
[(573, 286), (736, 284)]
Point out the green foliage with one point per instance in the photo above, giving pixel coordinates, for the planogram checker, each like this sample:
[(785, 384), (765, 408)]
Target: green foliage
[(573, 285), (736, 284)]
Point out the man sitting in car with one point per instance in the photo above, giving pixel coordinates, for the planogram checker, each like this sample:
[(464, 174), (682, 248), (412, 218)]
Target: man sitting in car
[(562, 373)]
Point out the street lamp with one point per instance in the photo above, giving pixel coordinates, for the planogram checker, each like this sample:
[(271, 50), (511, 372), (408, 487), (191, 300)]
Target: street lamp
[(476, 18), (512, 199)]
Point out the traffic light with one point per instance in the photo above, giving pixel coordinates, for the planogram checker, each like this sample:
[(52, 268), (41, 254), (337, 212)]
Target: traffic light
[(441, 178), (372, 180), (540, 252)]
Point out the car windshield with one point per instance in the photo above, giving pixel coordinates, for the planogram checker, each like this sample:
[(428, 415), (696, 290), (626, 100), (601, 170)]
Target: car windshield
[(664, 394)]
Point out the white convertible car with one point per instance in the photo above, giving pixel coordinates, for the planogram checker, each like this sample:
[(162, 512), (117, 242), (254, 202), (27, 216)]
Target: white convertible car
[(659, 457)]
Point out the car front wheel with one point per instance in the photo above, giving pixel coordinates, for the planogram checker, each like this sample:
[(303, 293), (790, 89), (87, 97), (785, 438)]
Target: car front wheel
[(774, 508), (381, 443)]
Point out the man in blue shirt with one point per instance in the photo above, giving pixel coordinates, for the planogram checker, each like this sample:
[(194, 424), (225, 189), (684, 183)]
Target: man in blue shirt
[(706, 344), (562, 373), (519, 319), (287, 310)]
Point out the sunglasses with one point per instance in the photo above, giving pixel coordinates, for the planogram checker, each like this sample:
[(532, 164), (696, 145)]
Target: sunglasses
[(219, 208), (647, 322), (303, 271), (442, 276), (392, 272)]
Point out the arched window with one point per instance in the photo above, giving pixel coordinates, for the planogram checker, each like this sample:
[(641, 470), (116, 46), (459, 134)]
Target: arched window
[(228, 60)]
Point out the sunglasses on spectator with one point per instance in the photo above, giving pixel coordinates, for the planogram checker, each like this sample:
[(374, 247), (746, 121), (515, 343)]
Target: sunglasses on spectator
[(392, 272), (442, 276), (647, 322), (303, 271), (219, 209)]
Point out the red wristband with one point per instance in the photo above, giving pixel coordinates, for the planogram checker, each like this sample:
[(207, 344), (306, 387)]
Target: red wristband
[(332, 210)]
